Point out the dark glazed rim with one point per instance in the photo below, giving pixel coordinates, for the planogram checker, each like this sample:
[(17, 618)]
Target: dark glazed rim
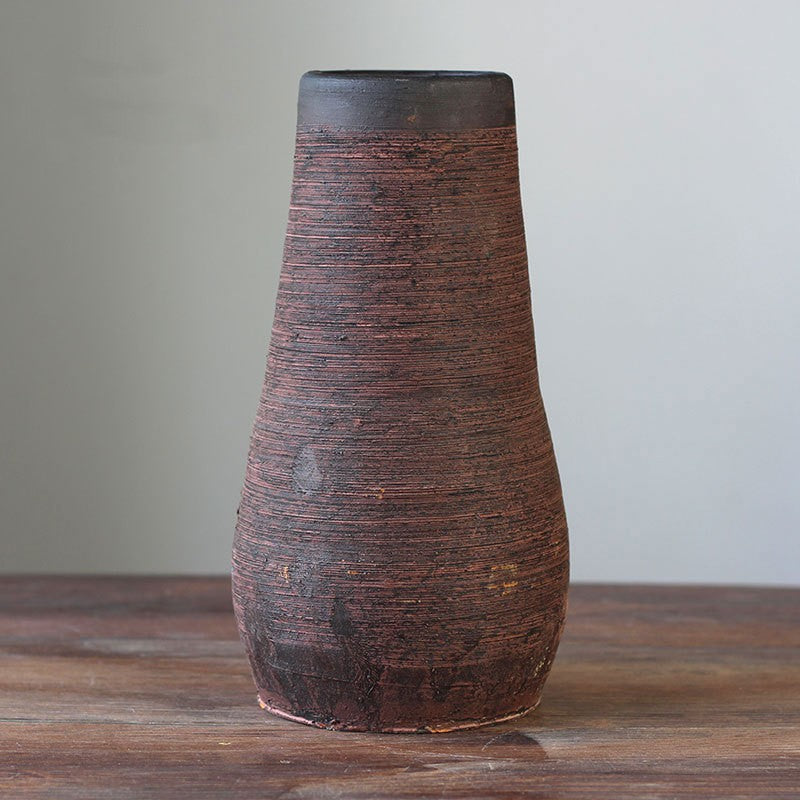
[(405, 100)]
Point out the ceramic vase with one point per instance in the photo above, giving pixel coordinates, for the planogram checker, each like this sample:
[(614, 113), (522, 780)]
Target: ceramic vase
[(400, 559)]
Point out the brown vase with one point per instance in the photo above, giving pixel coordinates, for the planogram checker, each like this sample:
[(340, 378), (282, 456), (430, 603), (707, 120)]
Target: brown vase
[(400, 560)]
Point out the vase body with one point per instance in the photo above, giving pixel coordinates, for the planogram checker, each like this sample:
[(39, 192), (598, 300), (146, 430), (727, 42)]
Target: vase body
[(400, 559)]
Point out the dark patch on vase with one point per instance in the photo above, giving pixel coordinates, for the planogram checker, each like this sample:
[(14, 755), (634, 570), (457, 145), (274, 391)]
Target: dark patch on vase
[(341, 623), (441, 681), (306, 475)]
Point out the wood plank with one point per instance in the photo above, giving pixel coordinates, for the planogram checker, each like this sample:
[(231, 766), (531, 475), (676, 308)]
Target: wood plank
[(123, 687)]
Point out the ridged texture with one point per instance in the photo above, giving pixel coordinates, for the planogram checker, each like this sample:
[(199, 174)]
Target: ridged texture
[(400, 560)]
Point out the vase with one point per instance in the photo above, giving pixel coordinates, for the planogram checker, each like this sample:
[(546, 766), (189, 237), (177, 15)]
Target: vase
[(400, 559)]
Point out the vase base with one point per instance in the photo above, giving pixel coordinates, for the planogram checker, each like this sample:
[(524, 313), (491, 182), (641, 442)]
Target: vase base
[(441, 727)]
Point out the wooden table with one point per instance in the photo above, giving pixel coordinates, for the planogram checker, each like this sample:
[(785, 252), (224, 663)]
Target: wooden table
[(138, 688)]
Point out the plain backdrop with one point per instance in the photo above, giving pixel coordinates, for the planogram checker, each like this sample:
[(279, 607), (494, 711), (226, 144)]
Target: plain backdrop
[(145, 167)]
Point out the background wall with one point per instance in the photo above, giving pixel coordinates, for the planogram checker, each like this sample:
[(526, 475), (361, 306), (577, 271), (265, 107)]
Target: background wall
[(145, 165)]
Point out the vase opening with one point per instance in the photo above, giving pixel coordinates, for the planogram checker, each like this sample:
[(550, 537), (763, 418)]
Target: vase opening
[(405, 74)]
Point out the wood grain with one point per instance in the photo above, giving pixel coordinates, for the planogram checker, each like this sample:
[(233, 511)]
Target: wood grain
[(139, 688), (400, 560)]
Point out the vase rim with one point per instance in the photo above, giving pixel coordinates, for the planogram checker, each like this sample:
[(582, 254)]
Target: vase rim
[(404, 74), (406, 99)]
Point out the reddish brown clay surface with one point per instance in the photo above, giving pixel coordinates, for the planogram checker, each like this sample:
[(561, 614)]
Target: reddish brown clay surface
[(400, 561)]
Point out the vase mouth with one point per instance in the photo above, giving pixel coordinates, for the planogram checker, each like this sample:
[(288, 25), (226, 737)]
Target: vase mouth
[(404, 74), (405, 99)]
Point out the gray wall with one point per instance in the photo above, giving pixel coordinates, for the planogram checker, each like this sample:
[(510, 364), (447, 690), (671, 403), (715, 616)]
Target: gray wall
[(145, 157)]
